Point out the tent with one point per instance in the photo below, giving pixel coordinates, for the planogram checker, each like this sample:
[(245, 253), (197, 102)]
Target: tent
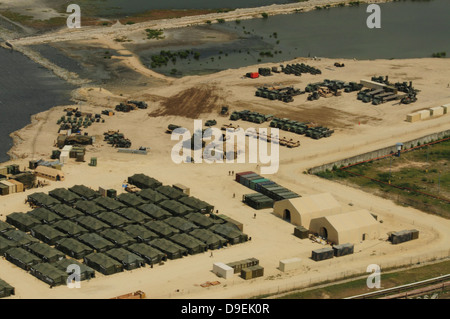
[(161, 228), (44, 215), (103, 263), (150, 254), (143, 181), (73, 248), (113, 220), (47, 234), (172, 250), (42, 200), (84, 192), (192, 244), (176, 208), (92, 224), (69, 228), (6, 289), (49, 274), (109, 204), (128, 259), (66, 212), (117, 237), (86, 272), (19, 237), (351, 227), (131, 200), (6, 244), (170, 192), (182, 224), (200, 220), (45, 252), (4, 227), (134, 215), (300, 211), (95, 241), (152, 196), (211, 239), (140, 233), (89, 208), (21, 258), (64, 196), (22, 221), (154, 212), (197, 204), (233, 235)]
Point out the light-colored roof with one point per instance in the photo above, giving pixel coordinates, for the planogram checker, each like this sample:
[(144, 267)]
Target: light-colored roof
[(351, 220), (314, 203)]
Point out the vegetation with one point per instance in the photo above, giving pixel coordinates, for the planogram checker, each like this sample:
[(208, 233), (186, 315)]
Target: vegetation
[(264, 15), (439, 55), (155, 34), (221, 20), (406, 179), (208, 21), (164, 57)]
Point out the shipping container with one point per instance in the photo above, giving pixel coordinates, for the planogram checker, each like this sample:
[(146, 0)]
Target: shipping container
[(342, 250), (257, 181), (301, 232), (322, 254), (4, 190), (11, 186), (238, 175), (263, 184), (400, 237)]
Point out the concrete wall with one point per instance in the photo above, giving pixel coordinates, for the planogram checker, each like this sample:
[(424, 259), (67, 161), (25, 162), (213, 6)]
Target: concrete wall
[(379, 152)]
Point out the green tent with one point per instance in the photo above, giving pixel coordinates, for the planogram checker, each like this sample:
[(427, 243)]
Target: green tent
[(109, 203), (6, 289), (150, 254), (89, 208), (44, 215), (91, 223), (140, 233), (22, 221), (192, 244), (197, 204), (21, 258), (49, 274), (47, 234), (86, 272), (73, 248), (134, 215), (172, 250), (113, 219), (4, 227), (176, 208), (129, 260), (143, 181), (200, 220), (66, 212), (181, 224), (84, 192), (161, 228), (96, 242), (45, 252), (19, 237), (117, 237), (42, 200), (103, 263), (232, 234), (211, 239), (152, 196), (131, 200), (170, 192), (64, 196), (69, 228), (154, 212), (6, 244)]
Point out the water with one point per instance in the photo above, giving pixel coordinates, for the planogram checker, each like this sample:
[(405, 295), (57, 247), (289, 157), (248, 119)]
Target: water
[(408, 30), (111, 8), (26, 88)]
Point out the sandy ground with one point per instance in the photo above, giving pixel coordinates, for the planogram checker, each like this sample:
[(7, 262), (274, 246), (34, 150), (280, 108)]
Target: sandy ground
[(359, 128)]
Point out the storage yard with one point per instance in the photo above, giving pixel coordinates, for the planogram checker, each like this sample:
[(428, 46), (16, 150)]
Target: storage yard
[(136, 233)]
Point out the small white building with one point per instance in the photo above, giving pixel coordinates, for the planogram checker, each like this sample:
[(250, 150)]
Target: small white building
[(223, 270)]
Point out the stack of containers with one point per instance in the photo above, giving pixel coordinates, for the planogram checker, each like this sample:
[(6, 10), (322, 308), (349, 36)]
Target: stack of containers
[(252, 272), (258, 201)]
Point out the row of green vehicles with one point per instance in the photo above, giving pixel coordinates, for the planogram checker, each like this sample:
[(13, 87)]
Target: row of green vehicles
[(299, 68), (254, 117), (285, 94), (315, 132)]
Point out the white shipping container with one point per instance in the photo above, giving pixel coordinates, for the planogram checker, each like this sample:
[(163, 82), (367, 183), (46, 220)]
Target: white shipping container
[(222, 270), (424, 114), (437, 111), (64, 157), (290, 264)]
